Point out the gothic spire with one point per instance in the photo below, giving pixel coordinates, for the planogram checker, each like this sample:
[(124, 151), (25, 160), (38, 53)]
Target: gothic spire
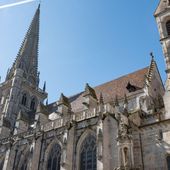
[(27, 58)]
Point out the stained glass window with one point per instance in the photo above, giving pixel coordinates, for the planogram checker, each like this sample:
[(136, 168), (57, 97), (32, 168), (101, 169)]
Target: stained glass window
[(54, 158), (88, 154)]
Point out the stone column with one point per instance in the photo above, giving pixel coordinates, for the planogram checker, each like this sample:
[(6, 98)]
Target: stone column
[(100, 145)]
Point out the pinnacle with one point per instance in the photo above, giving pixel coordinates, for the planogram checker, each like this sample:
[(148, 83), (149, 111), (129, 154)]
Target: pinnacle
[(90, 91), (64, 100)]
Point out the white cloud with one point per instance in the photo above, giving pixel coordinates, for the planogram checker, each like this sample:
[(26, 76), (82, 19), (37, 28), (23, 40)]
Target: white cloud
[(15, 4)]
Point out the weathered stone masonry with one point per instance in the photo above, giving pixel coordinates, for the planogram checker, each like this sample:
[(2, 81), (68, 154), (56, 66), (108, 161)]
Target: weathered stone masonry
[(123, 124)]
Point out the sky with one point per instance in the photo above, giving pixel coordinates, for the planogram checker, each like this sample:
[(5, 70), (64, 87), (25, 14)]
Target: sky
[(83, 41)]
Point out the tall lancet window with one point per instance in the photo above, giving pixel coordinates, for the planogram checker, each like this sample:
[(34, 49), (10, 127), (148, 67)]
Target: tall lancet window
[(168, 27), (54, 158), (24, 99), (88, 159), (32, 105)]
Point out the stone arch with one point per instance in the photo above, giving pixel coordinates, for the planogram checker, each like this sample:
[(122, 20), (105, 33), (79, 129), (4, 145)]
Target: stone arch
[(22, 157), (48, 151), (165, 19), (87, 133)]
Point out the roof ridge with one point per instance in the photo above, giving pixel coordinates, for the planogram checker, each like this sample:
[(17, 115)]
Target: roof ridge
[(123, 76)]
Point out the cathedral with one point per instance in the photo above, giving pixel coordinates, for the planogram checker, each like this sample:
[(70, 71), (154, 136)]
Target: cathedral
[(123, 124)]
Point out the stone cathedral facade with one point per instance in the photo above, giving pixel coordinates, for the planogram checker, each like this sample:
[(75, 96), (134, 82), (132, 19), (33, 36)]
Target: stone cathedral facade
[(123, 124)]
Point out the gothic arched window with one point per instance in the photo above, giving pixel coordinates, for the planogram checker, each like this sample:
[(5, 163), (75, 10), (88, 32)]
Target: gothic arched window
[(168, 27), (24, 99), (88, 159), (32, 105), (54, 158)]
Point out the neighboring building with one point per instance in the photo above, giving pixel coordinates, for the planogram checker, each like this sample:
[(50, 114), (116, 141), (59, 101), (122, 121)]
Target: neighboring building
[(123, 124)]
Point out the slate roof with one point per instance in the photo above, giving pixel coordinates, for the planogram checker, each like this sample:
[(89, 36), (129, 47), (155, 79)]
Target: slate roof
[(115, 87), (109, 90)]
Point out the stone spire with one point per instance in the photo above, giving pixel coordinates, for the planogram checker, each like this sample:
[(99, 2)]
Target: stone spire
[(27, 58)]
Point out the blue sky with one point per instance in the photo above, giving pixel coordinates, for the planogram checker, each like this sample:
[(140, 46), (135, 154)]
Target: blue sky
[(82, 41)]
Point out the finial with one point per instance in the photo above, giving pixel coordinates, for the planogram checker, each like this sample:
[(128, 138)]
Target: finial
[(39, 4), (152, 56), (44, 87)]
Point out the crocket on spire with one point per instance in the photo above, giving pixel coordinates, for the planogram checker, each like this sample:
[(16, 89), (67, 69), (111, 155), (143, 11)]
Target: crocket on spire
[(27, 58)]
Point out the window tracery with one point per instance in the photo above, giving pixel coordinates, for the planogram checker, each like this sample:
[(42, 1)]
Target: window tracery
[(54, 158), (88, 159)]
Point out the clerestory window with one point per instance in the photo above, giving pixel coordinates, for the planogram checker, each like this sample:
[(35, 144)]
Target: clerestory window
[(88, 159), (54, 158)]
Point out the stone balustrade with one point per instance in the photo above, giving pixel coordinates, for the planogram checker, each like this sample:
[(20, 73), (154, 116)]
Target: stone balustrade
[(58, 123)]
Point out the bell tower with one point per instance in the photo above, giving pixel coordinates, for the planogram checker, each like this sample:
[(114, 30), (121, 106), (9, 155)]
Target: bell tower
[(162, 16)]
